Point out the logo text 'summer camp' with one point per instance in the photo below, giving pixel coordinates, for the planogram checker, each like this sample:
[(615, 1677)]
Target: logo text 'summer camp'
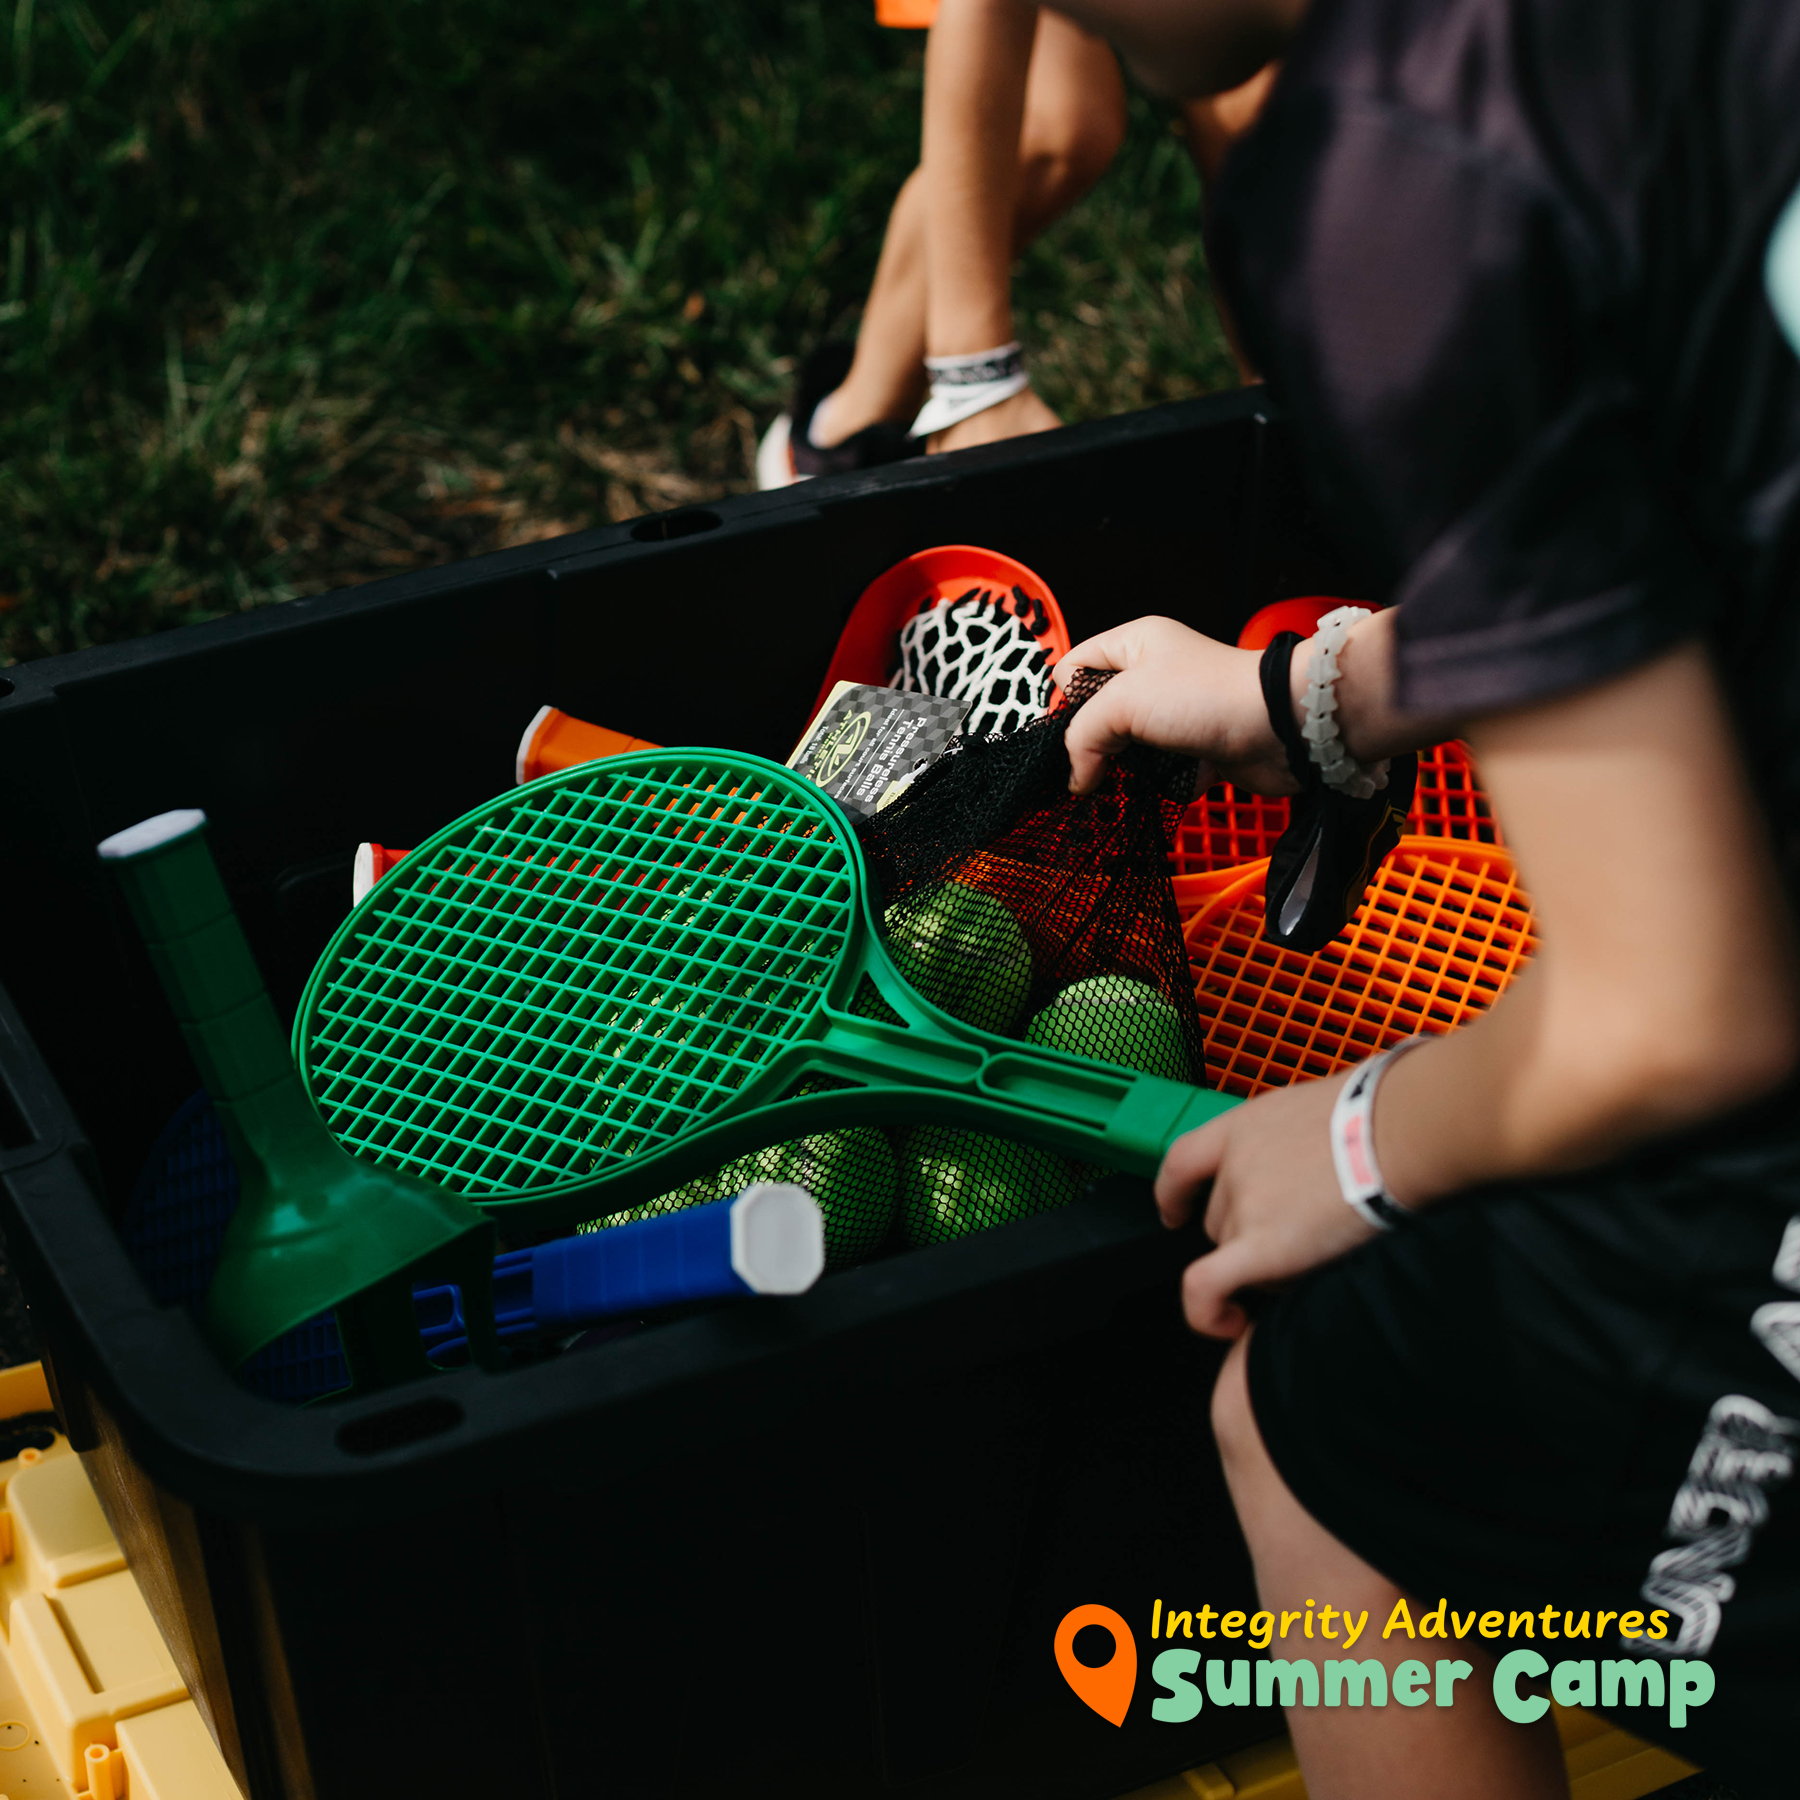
[(1188, 1677)]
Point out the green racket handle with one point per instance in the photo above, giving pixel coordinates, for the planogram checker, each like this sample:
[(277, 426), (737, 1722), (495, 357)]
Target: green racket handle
[(1073, 1104), (197, 949), (931, 1068), (315, 1230)]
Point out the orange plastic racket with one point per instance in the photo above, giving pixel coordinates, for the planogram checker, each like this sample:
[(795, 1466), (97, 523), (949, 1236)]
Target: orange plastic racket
[(1444, 929), (1228, 826)]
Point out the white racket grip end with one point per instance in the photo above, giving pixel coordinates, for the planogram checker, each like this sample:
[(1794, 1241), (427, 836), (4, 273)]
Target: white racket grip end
[(522, 756), (362, 874), (777, 1238), (151, 834)]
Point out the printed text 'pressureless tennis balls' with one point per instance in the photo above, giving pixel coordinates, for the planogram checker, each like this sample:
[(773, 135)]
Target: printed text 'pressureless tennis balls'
[(963, 950), (1117, 1020), (953, 1182)]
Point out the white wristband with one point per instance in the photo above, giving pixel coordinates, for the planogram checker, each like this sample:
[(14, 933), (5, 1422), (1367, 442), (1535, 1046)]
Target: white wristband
[(1353, 1141), (962, 386), (1318, 710)]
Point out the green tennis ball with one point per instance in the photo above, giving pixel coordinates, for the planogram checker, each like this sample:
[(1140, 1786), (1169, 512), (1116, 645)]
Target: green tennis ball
[(691, 1193), (954, 1182), (963, 950), (1115, 1020), (853, 1176)]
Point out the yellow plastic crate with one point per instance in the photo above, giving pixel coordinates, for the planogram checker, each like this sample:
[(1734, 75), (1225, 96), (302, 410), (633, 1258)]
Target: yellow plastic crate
[(91, 1701)]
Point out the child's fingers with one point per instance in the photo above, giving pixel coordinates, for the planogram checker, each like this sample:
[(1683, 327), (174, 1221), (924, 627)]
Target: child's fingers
[(1127, 646), (1208, 1286), (1188, 1164), (1101, 729), (1109, 650)]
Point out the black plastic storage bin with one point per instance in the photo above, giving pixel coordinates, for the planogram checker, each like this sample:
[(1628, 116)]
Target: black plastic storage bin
[(807, 1547)]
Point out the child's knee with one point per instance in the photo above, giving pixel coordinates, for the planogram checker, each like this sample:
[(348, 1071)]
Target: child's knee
[(1060, 162)]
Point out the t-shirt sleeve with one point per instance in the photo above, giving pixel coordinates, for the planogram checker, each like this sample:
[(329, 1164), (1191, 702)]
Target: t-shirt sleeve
[(1451, 339)]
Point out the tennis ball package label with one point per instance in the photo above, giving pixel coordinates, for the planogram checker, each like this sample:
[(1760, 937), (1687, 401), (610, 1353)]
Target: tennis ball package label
[(867, 743)]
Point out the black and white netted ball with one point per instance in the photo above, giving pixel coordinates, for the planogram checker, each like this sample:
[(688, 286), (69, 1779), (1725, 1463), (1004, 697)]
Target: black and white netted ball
[(975, 649)]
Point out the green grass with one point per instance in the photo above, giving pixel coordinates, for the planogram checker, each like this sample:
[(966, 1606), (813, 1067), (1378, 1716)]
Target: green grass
[(296, 297)]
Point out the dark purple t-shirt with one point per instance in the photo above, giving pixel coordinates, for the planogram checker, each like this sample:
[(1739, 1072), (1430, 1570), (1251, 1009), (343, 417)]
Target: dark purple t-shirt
[(1502, 261)]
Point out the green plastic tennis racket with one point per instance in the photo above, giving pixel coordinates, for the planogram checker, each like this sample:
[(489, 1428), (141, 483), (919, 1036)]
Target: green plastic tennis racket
[(315, 1229), (598, 985)]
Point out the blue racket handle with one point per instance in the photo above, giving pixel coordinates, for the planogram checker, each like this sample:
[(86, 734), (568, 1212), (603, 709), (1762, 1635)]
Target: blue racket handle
[(770, 1239)]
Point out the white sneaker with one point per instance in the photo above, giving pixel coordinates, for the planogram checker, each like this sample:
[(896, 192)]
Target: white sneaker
[(774, 457)]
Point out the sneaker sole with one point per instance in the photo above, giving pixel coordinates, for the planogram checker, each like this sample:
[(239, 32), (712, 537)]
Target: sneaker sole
[(774, 459)]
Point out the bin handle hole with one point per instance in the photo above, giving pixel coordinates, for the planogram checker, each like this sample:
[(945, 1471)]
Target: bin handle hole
[(690, 521), (398, 1425), (6, 687)]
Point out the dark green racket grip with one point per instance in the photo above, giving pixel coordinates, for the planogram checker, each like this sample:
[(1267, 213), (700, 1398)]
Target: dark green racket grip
[(315, 1229)]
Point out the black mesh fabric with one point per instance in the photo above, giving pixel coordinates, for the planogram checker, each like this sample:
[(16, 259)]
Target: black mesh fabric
[(1038, 914), (1083, 880), (1033, 913), (852, 1172)]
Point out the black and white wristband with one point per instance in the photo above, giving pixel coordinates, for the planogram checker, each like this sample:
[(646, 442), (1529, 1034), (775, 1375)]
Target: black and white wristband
[(962, 386), (1353, 1141)]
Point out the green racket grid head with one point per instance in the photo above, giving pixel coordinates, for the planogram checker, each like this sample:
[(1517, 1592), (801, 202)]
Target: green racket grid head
[(600, 986), (316, 1229)]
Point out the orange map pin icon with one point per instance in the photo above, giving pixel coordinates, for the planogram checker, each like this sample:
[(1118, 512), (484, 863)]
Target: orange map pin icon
[(1108, 1688)]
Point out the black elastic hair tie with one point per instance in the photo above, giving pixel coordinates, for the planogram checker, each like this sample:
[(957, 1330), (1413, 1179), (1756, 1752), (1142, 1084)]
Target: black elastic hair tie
[(1278, 697)]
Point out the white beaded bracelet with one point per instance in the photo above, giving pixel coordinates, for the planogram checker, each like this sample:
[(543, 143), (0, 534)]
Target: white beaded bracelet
[(1318, 711), (1353, 1141)]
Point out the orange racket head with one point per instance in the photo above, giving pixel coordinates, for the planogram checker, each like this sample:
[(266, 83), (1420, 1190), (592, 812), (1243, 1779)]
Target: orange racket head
[(1301, 615), (1449, 800), (1230, 826), (868, 647), (1444, 929), (1226, 828)]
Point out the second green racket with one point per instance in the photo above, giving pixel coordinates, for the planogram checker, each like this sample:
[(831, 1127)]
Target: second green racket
[(596, 986)]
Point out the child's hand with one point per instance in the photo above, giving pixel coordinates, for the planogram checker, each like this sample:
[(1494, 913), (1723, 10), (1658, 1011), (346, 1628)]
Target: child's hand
[(1275, 1210), (1178, 691)]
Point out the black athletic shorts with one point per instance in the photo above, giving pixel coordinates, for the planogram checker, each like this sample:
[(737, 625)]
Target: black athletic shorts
[(1564, 1393)]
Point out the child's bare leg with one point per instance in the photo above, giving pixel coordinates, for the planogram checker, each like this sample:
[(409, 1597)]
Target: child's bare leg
[(1002, 164), (1073, 127), (1465, 1751), (976, 63), (1213, 126), (887, 377), (1215, 123), (1070, 118)]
